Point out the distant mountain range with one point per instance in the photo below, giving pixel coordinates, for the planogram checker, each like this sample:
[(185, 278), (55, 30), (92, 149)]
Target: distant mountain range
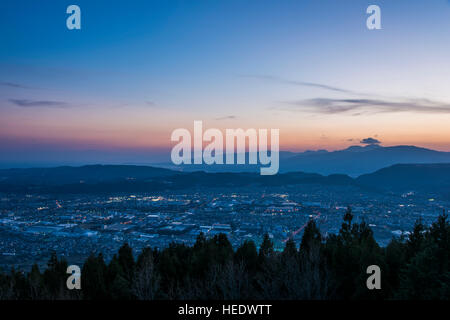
[(353, 161), (84, 174), (110, 178), (403, 177), (358, 160)]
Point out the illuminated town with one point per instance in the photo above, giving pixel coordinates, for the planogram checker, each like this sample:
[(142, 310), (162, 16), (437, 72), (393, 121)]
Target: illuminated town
[(73, 226)]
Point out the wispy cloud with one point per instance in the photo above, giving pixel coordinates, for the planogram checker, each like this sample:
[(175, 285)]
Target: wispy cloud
[(226, 118), (336, 106), (38, 103), (372, 103), (300, 83), (151, 104), (14, 85)]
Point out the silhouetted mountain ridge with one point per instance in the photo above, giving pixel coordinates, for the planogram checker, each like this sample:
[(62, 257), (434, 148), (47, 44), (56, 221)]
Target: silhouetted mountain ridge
[(110, 178), (358, 160), (353, 161), (87, 174), (409, 177)]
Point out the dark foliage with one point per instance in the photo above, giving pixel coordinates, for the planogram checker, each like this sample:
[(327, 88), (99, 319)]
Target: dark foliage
[(321, 268)]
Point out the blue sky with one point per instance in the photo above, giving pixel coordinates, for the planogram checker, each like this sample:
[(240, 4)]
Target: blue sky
[(139, 69)]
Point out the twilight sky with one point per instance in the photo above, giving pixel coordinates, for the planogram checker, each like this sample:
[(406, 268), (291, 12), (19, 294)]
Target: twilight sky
[(114, 91)]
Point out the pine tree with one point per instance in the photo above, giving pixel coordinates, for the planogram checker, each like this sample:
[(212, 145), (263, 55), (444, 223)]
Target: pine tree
[(93, 280), (126, 261), (266, 248), (311, 237), (35, 282), (145, 281), (248, 255), (290, 248)]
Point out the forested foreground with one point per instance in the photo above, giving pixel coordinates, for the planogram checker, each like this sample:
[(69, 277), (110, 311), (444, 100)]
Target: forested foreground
[(321, 268)]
